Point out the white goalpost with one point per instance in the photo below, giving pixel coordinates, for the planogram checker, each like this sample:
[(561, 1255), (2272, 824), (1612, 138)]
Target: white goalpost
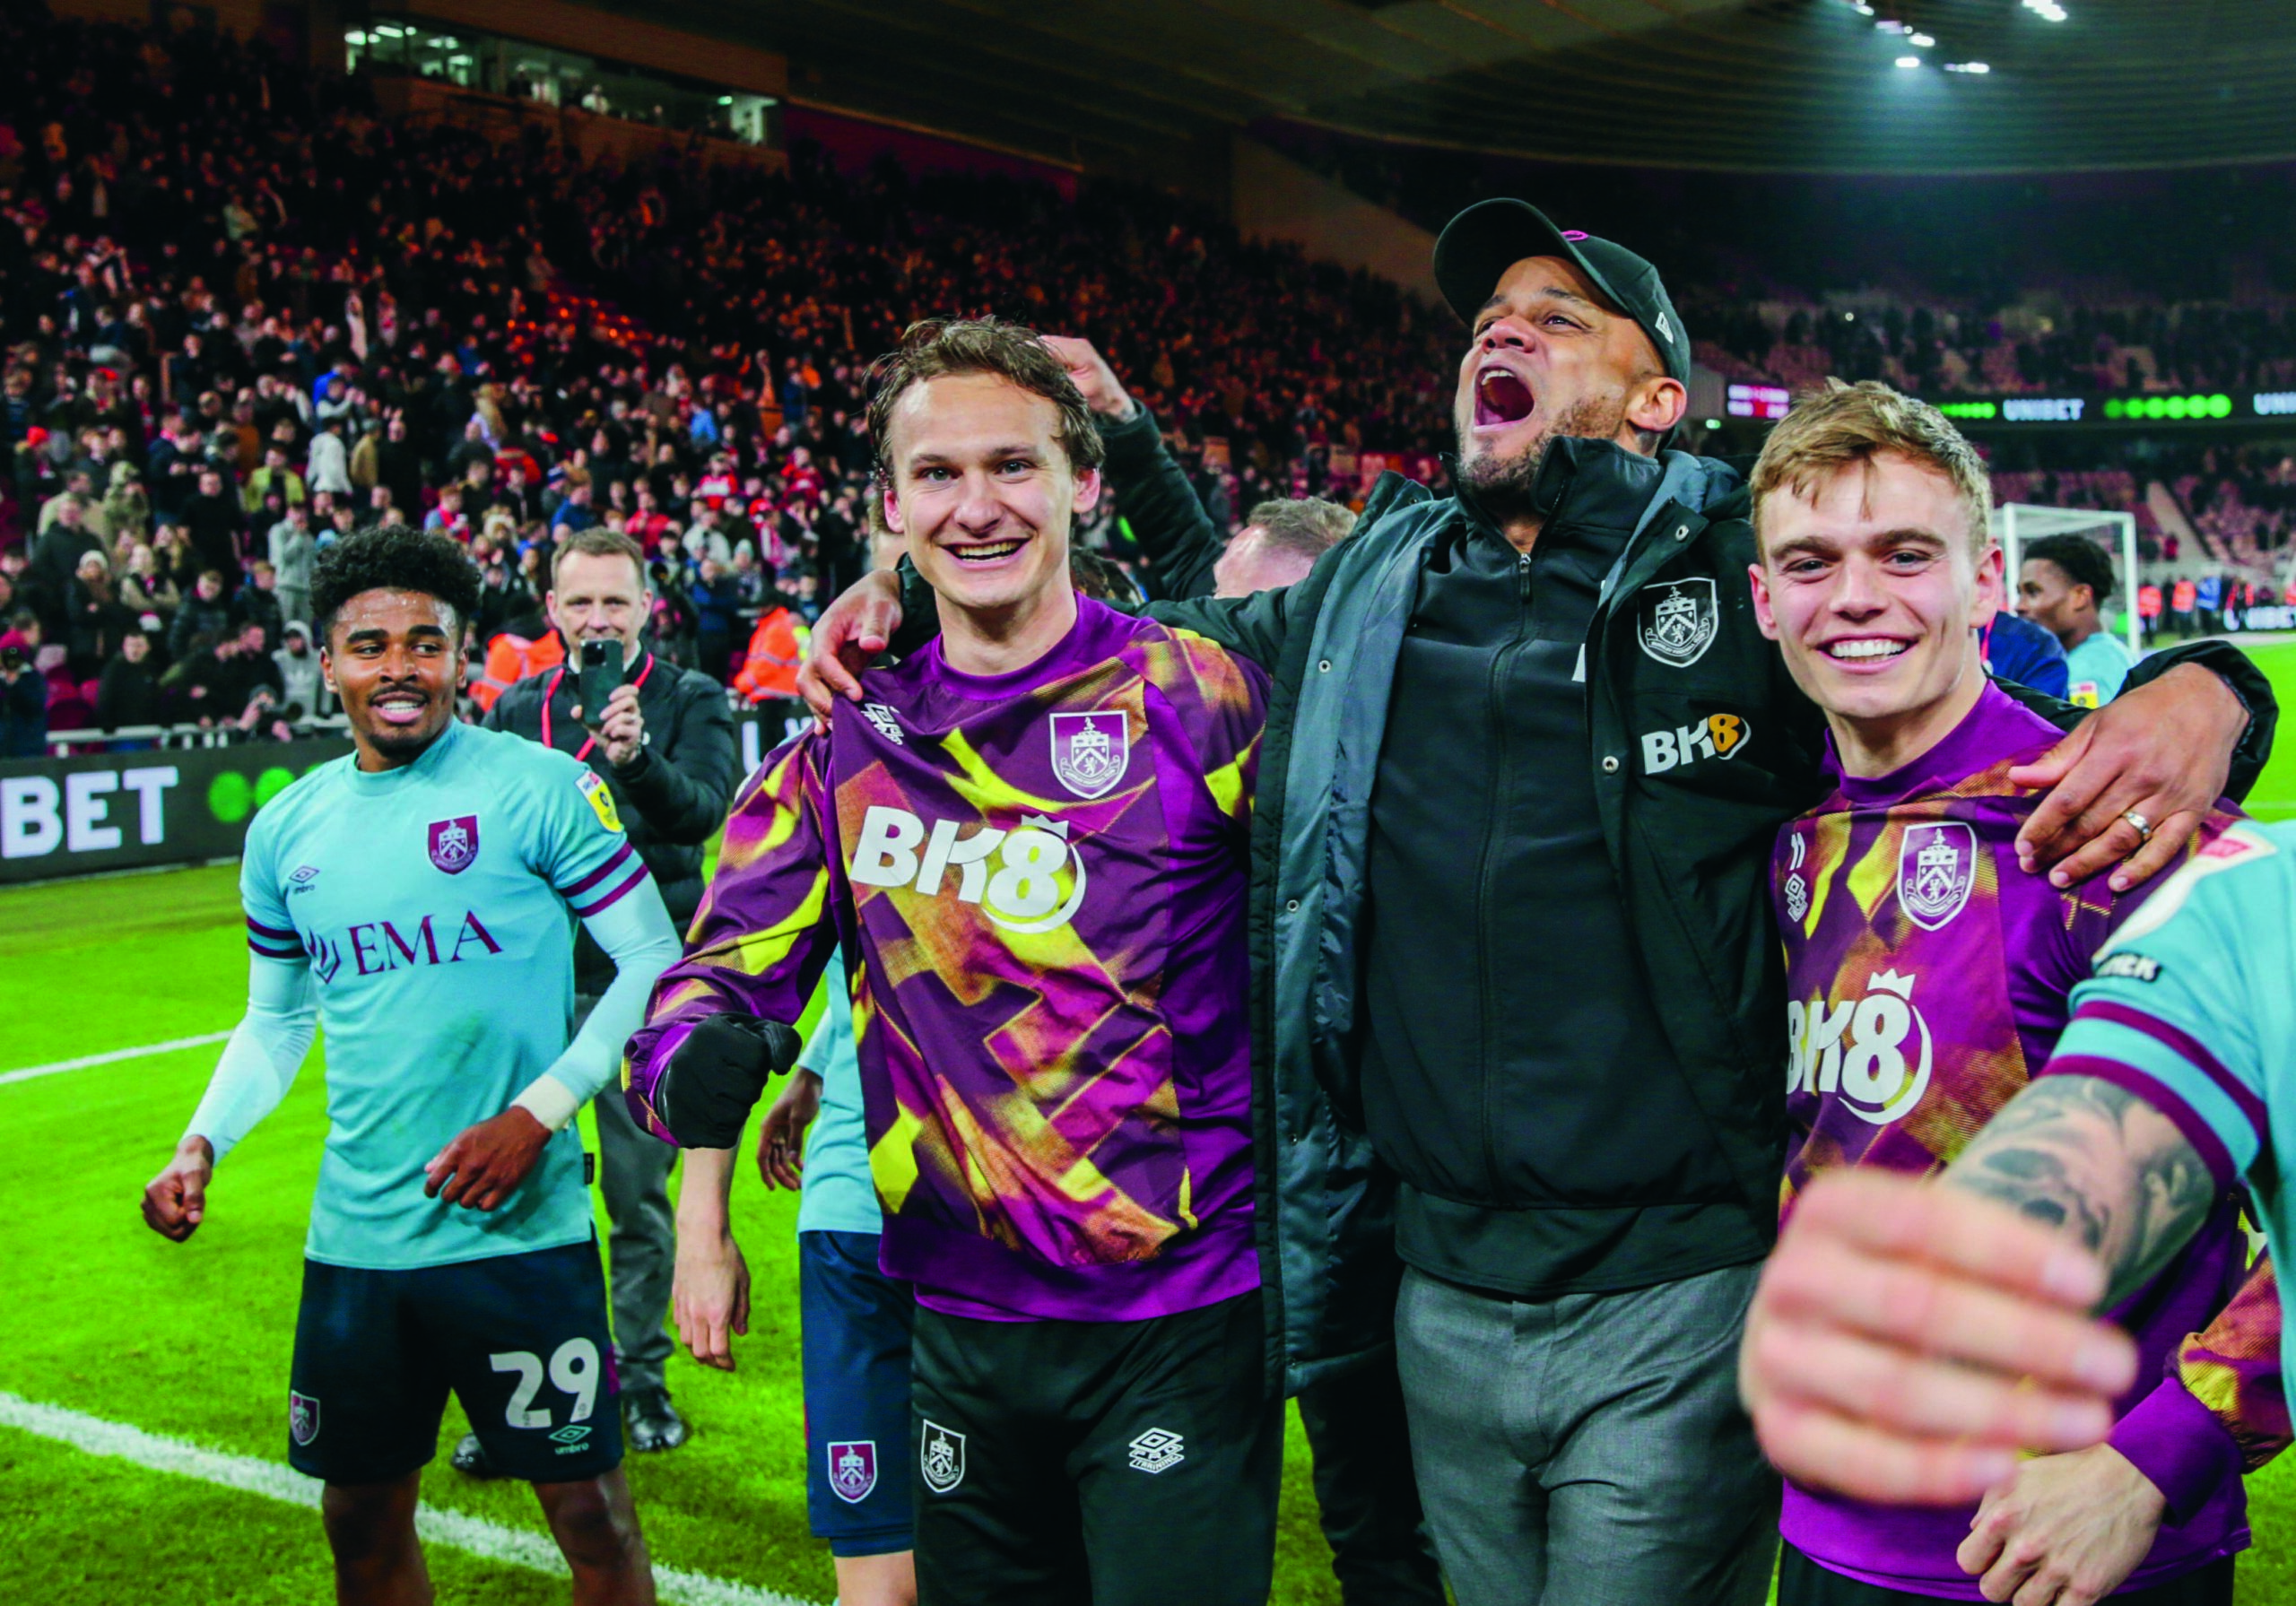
[(2017, 523)]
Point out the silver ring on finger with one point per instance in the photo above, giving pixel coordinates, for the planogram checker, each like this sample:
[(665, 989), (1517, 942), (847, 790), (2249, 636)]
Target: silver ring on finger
[(2143, 826)]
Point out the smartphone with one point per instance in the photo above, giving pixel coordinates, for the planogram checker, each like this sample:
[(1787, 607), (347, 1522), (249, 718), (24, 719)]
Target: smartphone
[(601, 674)]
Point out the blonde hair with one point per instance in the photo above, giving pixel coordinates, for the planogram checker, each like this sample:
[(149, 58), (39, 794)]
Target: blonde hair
[(1838, 425)]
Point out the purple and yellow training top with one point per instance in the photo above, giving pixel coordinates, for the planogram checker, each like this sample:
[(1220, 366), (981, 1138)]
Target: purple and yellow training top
[(1928, 978), (1042, 878)]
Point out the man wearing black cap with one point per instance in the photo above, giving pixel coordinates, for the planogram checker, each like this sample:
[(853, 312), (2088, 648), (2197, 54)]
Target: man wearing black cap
[(1517, 1009)]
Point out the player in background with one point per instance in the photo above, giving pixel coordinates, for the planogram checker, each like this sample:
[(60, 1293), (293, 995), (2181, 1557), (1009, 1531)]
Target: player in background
[(2062, 585), (855, 1320), (1927, 980), (413, 898), (1032, 837)]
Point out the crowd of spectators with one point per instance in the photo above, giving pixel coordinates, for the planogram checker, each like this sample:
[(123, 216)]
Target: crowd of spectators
[(242, 315), (1935, 351)]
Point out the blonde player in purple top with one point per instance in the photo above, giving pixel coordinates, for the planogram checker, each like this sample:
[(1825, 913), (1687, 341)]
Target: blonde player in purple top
[(1030, 841), (1928, 980)]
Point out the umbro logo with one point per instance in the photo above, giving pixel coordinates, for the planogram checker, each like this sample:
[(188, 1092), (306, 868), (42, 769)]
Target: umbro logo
[(1157, 1450), (887, 723)]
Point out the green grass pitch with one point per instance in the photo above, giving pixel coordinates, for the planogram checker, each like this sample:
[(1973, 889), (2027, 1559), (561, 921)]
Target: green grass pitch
[(103, 1317)]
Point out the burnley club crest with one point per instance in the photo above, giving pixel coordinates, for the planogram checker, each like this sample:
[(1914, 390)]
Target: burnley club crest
[(941, 1457), (1679, 620), (1936, 868), (302, 1417), (454, 843), (1091, 751), (853, 1469)]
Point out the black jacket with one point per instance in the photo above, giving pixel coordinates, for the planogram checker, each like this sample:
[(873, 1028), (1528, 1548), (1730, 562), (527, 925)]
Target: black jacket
[(1161, 508), (672, 800), (1687, 843)]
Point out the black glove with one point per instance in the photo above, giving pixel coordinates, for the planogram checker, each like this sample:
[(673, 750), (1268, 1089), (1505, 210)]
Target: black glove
[(714, 1078)]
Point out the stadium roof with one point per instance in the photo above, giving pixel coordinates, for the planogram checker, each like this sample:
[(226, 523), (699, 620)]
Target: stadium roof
[(1787, 85)]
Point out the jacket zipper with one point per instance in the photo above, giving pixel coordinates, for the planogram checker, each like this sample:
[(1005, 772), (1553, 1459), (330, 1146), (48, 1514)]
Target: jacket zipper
[(1495, 721)]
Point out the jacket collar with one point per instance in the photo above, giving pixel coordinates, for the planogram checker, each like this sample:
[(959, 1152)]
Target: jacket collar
[(1594, 483)]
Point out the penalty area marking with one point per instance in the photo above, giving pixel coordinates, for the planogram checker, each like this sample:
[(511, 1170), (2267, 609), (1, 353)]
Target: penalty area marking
[(512, 1546), (86, 1060)]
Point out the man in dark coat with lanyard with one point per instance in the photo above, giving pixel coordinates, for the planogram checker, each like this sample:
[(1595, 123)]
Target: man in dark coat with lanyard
[(665, 744)]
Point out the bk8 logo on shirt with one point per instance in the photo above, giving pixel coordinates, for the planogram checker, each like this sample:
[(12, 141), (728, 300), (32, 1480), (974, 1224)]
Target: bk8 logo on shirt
[(1862, 1050), (1037, 882)]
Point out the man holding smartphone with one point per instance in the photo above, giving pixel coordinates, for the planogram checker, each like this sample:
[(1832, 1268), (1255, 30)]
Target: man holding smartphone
[(662, 738)]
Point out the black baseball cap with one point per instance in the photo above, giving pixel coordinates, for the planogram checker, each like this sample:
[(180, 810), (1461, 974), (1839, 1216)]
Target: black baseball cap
[(1489, 237)]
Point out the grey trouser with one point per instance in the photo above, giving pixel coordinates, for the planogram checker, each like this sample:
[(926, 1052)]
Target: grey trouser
[(1588, 1450), (634, 1175)]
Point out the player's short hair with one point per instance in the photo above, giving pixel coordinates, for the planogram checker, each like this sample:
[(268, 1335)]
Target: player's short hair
[(600, 544), (393, 558), (1837, 425), (938, 348), (2084, 561), (1309, 526)]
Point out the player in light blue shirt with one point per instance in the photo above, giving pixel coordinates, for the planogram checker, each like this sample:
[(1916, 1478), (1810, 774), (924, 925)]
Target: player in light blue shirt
[(1964, 1325), (2062, 585), (417, 898)]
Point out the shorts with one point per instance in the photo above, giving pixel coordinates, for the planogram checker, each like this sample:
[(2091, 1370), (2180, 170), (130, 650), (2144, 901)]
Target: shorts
[(1127, 1463), (855, 1322), (521, 1340)]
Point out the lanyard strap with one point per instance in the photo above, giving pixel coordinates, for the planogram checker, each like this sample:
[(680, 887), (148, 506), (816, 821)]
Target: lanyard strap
[(558, 679)]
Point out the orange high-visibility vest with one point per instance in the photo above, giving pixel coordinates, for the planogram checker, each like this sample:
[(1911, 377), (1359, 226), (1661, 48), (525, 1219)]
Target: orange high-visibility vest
[(776, 646), (510, 659)]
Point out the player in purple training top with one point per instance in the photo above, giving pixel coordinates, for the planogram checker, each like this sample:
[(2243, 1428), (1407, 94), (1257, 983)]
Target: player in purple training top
[(1927, 980), (1030, 840)]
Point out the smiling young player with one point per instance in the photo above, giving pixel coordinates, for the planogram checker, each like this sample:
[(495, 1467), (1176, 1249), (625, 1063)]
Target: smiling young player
[(413, 898), (1030, 840), (1927, 980)]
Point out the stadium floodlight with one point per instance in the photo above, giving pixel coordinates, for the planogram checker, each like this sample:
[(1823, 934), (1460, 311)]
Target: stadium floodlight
[(1909, 61), (2017, 522), (1967, 67), (1919, 41)]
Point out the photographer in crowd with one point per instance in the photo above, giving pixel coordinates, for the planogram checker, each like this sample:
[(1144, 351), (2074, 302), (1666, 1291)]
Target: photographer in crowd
[(663, 743)]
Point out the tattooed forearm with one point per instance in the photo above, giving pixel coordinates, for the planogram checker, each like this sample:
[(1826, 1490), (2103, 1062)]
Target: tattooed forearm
[(2081, 1154)]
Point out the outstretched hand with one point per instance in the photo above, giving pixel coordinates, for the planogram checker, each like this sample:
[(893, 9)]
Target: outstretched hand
[(846, 640), (1908, 1340), (2162, 751), (484, 1164)]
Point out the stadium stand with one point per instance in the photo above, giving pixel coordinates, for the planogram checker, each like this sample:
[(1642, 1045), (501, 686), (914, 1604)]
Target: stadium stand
[(501, 341), (216, 262)]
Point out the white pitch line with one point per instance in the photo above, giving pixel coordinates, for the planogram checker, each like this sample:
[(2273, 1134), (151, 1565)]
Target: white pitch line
[(512, 1546), (86, 1060)]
